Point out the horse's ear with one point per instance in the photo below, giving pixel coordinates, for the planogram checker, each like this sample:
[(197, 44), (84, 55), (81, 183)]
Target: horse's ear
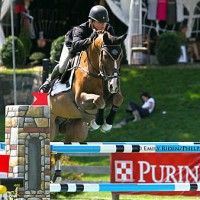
[(122, 38), (109, 39)]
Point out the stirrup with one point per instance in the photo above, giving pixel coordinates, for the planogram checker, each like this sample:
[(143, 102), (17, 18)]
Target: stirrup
[(45, 87)]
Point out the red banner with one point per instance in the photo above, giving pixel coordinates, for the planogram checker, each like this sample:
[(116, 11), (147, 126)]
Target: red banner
[(19, 6), (156, 168), (4, 165), (41, 99)]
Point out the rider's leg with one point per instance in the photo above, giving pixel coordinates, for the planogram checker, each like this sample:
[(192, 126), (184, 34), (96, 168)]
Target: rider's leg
[(58, 69), (64, 58), (46, 85)]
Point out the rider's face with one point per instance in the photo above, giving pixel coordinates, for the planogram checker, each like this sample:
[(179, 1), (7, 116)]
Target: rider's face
[(99, 26)]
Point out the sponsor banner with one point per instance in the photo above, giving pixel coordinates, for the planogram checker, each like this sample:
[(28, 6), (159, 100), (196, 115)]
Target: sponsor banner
[(156, 168)]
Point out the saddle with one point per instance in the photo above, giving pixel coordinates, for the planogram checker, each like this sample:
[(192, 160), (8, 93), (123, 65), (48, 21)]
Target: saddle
[(64, 83)]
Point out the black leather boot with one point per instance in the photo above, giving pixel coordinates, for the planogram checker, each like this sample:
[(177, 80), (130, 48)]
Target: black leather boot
[(46, 85)]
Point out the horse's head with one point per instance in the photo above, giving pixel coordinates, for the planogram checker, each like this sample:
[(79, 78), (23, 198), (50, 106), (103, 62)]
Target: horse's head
[(110, 59)]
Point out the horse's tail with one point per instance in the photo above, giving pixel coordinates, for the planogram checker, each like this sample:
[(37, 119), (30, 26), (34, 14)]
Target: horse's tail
[(75, 130)]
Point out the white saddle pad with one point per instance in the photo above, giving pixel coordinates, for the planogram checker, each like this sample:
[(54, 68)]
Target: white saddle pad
[(58, 87)]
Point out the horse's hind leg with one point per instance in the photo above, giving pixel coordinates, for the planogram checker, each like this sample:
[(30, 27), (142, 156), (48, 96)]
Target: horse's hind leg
[(53, 131), (53, 128), (75, 130), (57, 174)]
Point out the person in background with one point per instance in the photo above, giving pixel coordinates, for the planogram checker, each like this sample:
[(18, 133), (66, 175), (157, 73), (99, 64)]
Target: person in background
[(78, 39), (153, 38), (138, 111), (190, 43)]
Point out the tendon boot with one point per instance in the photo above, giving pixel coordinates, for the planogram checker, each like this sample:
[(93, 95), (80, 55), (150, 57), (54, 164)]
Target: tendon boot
[(136, 116), (46, 85)]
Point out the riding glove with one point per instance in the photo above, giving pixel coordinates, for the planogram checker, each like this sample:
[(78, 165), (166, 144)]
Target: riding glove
[(93, 36)]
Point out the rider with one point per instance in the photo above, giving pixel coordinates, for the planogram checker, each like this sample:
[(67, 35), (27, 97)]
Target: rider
[(79, 38)]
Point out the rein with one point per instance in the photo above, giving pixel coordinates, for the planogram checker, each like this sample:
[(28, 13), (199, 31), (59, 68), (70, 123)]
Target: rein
[(89, 73), (90, 64)]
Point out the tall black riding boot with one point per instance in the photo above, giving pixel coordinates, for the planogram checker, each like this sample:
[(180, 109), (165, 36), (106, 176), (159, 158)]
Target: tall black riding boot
[(46, 85)]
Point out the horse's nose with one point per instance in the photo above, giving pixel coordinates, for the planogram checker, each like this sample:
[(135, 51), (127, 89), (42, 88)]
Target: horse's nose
[(113, 90), (112, 86)]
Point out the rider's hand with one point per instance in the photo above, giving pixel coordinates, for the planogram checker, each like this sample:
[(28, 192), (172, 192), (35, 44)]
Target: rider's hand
[(93, 36)]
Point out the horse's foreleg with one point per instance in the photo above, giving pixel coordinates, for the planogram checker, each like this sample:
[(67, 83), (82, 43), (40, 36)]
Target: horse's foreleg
[(90, 101), (116, 101), (98, 121), (100, 117), (107, 126), (57, 171)]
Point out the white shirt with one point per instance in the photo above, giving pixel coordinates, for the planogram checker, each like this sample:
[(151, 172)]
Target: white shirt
[(148, 103)]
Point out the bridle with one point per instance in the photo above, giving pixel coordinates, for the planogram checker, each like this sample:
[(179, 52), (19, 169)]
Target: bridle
[(114, 52)]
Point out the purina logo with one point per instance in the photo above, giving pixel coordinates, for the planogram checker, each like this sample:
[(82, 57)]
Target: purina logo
[(147, 172), (123, 171)]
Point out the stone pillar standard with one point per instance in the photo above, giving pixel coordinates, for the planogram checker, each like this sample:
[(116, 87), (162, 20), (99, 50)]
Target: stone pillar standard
[(27, 141)]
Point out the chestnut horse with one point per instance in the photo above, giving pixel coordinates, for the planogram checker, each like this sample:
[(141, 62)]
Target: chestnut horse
[(96, 85)]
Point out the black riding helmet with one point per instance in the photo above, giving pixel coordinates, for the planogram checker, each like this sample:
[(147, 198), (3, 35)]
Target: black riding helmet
[(99, 13)]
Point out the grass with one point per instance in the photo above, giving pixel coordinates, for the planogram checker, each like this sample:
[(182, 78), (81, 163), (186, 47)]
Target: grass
[(31, 70), (176, 90), (2, 127), (108, 196)]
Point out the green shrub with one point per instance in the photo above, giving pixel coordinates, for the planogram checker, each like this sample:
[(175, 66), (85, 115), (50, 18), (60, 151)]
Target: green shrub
[(56, 49), (6, 52), (36, 58), (168, 48), (25, 38)]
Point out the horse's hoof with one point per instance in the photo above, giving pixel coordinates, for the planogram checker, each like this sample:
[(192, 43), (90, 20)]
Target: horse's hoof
[(93, 126), (57, 177), (105, 128), (58, 180)]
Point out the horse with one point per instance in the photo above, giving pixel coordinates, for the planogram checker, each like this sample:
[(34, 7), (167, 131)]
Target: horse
[(95, 86)]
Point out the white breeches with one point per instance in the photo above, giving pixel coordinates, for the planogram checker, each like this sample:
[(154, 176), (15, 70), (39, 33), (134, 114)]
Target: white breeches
[(64, 58)]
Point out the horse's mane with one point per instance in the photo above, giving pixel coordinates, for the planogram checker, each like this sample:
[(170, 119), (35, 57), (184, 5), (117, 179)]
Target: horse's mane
[(99, 39)]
